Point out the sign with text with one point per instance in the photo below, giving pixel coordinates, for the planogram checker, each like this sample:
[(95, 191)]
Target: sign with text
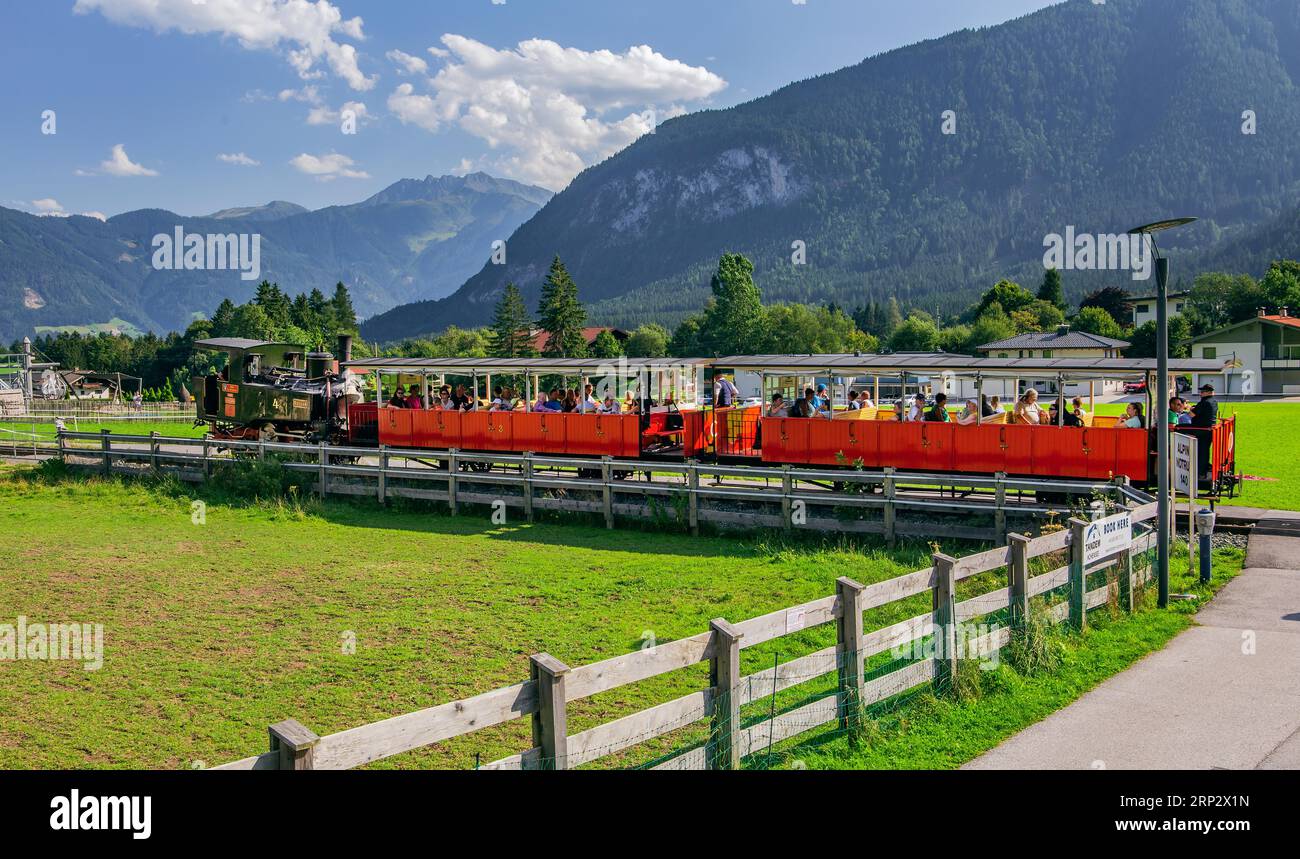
[(1184, 452), (1106, 537)]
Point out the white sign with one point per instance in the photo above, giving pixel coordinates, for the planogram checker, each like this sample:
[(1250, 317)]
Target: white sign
[(1107, 537), (1184, 464)]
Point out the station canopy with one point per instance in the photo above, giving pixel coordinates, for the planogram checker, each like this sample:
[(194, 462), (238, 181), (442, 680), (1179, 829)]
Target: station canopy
[(939, 363), (522, 366)]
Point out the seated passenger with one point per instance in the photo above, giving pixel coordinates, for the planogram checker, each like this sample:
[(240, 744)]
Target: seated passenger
[(1134, 418), (778, 407), (939, 414), (1079, 411), (1027, 410), (987, 409), (916, 411), (587, 401), (865, 401), (398, 400), (969, 415), (414, 400), (1069, 419), (854, 405), (610, 406), (498, 400), (554, 402), (540, 404)]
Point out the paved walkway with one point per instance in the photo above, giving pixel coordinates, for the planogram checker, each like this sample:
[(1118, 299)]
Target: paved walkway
[(1224, 694)]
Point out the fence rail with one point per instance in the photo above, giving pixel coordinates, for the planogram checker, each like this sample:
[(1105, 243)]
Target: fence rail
[(552, 686), (891, 504)]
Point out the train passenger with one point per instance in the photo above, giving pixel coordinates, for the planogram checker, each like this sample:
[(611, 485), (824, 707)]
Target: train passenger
[(555, 401), (413, 398), (540, 404), (1178, 413), (1027, 410), (969, 415), (800, 408), (398, 400), (939, 414), (987, 409), (995, 404), (822, 401), (1134, 418), (498, 403), (724, 393), (778, 408), (854, 405), (865, 401), (1079, 411), (587, 403), (608, 406), (916, 412)]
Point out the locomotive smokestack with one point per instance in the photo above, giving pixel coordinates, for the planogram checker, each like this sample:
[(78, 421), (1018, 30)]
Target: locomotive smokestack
[(344, 353)]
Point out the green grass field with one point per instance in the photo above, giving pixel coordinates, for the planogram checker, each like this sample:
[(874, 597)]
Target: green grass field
[(1268, 452), (213, 631)]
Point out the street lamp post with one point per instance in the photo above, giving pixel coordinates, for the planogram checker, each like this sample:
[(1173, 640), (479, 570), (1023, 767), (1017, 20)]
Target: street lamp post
[(1162, 399)]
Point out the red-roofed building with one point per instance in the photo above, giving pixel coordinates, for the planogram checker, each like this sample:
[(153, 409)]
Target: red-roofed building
[(589, 334), (1261, 356)]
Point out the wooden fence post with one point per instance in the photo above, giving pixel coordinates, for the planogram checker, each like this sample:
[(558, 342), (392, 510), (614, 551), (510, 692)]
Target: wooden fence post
[(550, 722), (453, 471), (849, 645), (945, 620), (153, 450), (722, 752), (787, 488), (891, 492), (693, 501), (1018, 581), (1125, 574), (606, 492), (63, 446), (295, 743), (1000, 510), (324, 466), (207, 457), (528, 486), (382, 481), (105, 446), (1078, 590)]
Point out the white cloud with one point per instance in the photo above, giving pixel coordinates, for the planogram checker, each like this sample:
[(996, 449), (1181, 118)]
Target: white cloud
[(554, 110), (326, 168), (239, 159), (308, 94), (118, 164), (326, 116), (305, 30), (407, 63), (51, 208)]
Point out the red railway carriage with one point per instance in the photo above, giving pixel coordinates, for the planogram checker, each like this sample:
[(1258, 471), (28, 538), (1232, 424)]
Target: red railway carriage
[(665, 414), (658, 412), (875, 437)]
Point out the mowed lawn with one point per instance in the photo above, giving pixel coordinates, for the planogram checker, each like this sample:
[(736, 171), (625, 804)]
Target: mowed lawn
[(1268, 452), (214, 631)]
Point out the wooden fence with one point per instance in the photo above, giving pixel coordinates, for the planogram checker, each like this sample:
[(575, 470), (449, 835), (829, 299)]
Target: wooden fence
[(891, 504), (544, 697)]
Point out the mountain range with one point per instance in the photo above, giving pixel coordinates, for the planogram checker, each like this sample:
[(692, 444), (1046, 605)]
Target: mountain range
[(1096, 116), (417, 239)]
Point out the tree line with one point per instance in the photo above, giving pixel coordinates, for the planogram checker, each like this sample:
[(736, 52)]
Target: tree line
[(733, 321)]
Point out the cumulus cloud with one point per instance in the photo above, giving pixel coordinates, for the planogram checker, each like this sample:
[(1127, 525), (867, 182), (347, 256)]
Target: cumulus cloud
[(407, 63), (239, 159), (552, 109), (325, 116), (326, 168), (118, 164), (304, 30)]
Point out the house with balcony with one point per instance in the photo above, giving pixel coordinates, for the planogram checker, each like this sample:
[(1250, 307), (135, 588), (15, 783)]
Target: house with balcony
[(1261, 356)]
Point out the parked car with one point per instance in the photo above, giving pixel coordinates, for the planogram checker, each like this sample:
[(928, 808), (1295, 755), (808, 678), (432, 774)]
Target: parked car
[(1139, 387)]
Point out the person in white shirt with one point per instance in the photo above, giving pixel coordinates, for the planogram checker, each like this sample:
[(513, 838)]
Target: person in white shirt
[(917, 410)]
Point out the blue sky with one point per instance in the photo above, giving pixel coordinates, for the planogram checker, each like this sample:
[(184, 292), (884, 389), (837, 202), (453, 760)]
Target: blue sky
[(530, 89)]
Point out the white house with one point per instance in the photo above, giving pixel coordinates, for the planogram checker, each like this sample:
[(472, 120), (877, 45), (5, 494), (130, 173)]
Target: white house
[(1144, 308), (1260, 356)]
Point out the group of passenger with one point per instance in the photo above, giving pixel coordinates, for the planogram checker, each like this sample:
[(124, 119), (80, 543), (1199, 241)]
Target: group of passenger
[(507, 399), (815, 403)]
